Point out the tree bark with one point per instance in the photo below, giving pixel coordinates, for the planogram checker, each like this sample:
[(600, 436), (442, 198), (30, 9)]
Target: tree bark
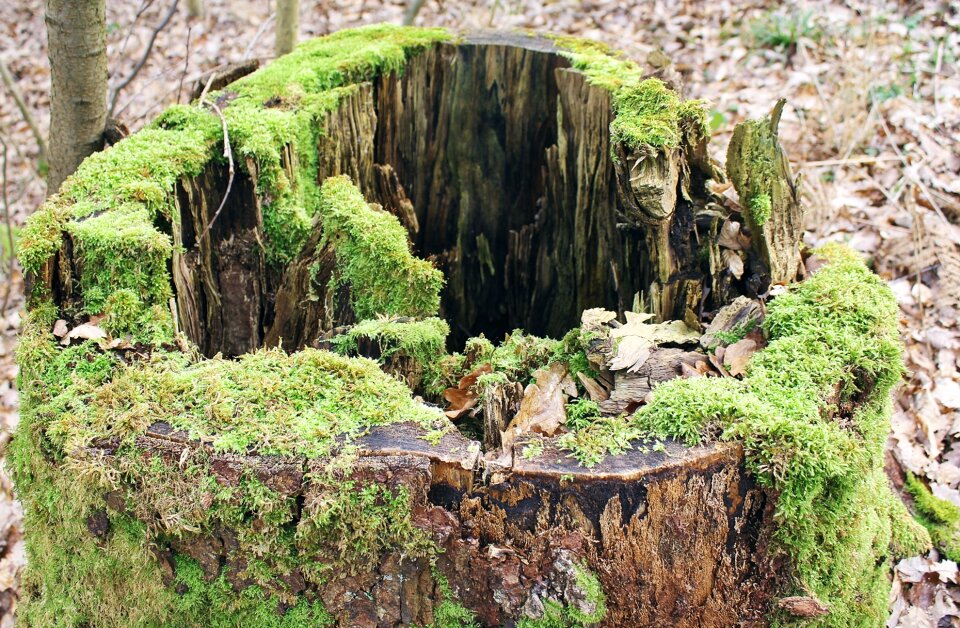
[(77, 43), (288, 24)]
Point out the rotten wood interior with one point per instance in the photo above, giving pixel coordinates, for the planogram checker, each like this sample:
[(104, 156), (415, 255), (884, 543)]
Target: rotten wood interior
[(496, 157)]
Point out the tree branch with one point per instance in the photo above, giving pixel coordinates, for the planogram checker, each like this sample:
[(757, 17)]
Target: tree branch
[(24, 110), (146, 54)]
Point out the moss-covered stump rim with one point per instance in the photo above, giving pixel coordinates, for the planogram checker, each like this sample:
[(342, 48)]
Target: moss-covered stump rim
[(785, 414)]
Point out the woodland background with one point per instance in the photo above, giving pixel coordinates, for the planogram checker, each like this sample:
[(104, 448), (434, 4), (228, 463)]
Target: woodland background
[(872, 124)]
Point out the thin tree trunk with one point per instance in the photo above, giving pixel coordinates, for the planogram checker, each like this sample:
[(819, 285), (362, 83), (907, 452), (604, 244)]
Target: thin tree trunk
[(195, 8), (77, 42), (288, 24)]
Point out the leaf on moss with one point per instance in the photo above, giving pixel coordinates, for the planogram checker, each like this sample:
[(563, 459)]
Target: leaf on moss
[(736, 356), (85, 331), (464, 397)]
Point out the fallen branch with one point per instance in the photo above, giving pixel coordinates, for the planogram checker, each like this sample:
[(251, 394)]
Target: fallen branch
[(143, 59), (9, 223), (24, 110)]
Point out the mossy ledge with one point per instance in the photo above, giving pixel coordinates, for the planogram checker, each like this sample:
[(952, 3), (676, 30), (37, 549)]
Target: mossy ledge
[(813, 414)]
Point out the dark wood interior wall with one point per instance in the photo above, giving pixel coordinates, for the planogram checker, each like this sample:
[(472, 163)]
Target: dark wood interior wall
[(503, 151)]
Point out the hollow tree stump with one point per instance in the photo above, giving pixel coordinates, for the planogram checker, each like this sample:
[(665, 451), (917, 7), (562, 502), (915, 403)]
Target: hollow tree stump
[(191, 453)]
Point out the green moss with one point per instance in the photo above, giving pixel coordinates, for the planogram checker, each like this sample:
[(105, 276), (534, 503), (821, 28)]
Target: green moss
[(268, 401), (736, 333), (557, 615), (373, 256), (132, 184), (351, 525), (832, 349), (647, 112), (940, 517), (581, 413), (450, 613), (310, 403), (753, 162), (422, 341), (219, 605)]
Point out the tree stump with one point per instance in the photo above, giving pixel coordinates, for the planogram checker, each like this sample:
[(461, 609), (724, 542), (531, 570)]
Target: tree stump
[(192, 453)]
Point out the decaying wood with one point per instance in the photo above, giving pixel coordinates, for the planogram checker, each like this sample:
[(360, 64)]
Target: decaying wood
[(501, 401), (495, 156), (676, 537), (217, 315), (630, 389), (777, 240)]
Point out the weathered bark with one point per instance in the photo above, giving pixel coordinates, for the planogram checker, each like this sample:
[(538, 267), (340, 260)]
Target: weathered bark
[(288, 25), (759, 169), (77, 44), (676, 537)]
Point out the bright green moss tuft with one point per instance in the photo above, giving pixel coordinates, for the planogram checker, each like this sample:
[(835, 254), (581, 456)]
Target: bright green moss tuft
[(450, 613), (940, 517), (268, 401), (373, 256), (422, 341), (647, 112), (760, 207), (813, 415)]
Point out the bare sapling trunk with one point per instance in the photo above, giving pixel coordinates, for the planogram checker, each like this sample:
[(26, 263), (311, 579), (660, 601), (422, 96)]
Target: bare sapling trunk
[(288, 24), (77, 42), (195, 8)]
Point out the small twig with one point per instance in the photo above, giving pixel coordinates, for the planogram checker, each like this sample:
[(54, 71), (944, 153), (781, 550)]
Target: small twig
[(936, 82), (256, 36), (186, 63), (143, 59), (144, 5), (864, 159), (24, 109), (227, 152), (9, 223)]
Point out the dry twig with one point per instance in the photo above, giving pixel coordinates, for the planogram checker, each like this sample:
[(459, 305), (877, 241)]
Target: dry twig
[(143, 59), (24, 109)]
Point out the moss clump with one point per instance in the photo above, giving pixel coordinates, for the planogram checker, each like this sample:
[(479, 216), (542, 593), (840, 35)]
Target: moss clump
[(590, 612), (373, 256), (581, 413), (940, 517), (132, 184), (422, 340), (832, 349), (311, 403), (647, 112), (266, 401), (450, 613)]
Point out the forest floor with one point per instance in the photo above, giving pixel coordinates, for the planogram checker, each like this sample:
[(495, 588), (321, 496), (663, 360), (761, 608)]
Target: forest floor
[(872, 124)]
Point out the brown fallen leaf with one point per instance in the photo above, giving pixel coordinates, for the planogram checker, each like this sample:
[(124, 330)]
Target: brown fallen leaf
[(803, 606), (464, 398), (733, 262), (699, 369), (84, 332), (736, 356), (542, 410), (595, 391), (732, 238), (60, 328), (632, 353)]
